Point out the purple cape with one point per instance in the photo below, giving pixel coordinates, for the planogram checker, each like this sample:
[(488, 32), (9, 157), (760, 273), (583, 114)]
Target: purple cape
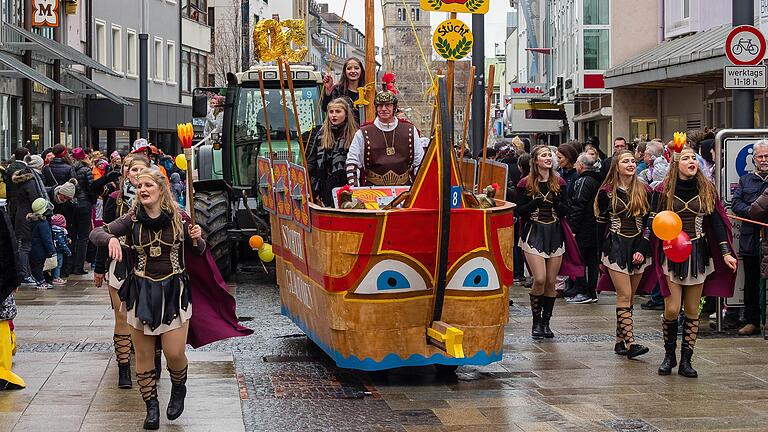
[(213, 307), (647, 282), (572, 265), (718, 284)]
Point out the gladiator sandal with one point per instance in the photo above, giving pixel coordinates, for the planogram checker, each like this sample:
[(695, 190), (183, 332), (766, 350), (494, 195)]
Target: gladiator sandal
[(148, 387), (626, 324), (669, 329), (178, 393), (158, 358), (548, 303), (123, 354), (619, 348), (690, 332), (537, 331)]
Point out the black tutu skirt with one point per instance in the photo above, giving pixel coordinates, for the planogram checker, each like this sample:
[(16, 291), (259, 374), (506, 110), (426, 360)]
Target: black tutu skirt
[(695, 269), (543, 239), (618, 251), (156, 302)]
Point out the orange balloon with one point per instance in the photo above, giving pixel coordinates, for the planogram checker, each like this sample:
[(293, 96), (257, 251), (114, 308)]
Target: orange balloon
[(255, 242), (667, 225)]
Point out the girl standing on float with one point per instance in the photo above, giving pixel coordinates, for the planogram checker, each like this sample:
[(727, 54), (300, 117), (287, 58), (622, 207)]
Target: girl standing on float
[(156, 291), (710, 268), (120, 192), (327, 155), (541, 204), (622, 208), (352, 78)]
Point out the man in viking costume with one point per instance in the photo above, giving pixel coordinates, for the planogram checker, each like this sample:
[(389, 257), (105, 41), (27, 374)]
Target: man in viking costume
[(386, 152)]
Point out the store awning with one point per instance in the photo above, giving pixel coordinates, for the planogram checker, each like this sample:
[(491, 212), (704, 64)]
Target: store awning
[(17, 69), (697, 55), (88, 87), (27, 40)]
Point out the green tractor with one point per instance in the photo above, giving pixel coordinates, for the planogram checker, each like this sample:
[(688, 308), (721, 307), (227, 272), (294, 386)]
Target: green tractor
[(227, 202)]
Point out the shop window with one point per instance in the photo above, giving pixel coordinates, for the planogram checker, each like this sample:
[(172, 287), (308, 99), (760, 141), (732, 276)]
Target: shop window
[(596, 12), (596, 49)]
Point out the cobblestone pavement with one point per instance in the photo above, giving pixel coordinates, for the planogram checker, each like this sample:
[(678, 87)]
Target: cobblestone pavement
[(284, 383)]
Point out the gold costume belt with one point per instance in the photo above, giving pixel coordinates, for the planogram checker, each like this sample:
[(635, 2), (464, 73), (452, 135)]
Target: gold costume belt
[(391, 178)]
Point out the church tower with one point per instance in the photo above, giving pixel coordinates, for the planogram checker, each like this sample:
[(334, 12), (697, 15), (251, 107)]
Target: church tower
[(401, 55)]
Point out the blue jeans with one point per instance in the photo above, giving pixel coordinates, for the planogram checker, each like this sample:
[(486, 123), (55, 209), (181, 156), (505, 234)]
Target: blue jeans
[(56, 273), (656, 296)]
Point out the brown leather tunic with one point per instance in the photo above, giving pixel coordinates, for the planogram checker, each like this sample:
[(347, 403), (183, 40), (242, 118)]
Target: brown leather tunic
[(383, 167), (545, 213), (691, 214), (621, 222)]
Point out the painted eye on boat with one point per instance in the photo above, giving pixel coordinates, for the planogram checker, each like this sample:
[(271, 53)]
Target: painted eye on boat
[(477, 274), (391, 277)]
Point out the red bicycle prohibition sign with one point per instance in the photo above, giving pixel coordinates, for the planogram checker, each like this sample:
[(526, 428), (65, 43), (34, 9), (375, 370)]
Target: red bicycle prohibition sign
[(745, 46)]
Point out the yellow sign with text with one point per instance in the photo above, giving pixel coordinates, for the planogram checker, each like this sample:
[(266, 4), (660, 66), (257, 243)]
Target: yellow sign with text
[(458, 6), (453, 40)]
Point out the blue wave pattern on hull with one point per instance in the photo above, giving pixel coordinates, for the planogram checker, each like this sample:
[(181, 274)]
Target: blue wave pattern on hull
[(392, 360)]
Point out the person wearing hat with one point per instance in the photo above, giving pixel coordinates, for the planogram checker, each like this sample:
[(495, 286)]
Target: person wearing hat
[(59, 170), (43, 252), (17, 164), (385, 152)]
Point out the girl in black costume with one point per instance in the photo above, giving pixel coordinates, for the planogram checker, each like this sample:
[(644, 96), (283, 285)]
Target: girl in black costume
[(156, 291), (352, 78), (119, 198), (327, 156), (541, 202), (622, 210), (687, 192)]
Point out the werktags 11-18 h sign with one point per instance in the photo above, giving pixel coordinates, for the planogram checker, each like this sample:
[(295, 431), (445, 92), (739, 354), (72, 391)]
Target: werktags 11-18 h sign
[(458, 6), (45, 13)]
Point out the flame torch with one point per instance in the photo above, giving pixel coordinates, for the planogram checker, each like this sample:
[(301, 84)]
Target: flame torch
[(186, 133), (678, 142)]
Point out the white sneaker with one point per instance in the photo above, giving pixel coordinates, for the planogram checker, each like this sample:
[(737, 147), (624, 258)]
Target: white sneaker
[(44, 286)]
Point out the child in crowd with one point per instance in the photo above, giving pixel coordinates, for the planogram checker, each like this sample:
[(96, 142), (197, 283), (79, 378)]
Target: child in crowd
[(42, 241), (61, 243)]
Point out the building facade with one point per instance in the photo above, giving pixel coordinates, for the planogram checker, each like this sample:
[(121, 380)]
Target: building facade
[(115, 44)]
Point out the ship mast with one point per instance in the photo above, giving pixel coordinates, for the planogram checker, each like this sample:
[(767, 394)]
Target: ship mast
[(370, 57)]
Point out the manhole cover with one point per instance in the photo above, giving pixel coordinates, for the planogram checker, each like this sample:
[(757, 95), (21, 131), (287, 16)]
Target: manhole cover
[(630, 425)]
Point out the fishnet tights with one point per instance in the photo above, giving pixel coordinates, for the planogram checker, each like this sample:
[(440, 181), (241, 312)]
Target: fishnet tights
[(147, 384), (624, 325), (123, 347)]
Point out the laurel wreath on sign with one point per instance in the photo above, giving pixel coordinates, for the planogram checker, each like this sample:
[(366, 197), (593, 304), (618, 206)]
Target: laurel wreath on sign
[(449, 52), (473, 5), (437, 4)]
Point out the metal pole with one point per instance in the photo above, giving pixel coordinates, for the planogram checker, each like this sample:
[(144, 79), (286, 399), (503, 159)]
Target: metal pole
[(143, 75), (143, 86), (478, 97), (57, 94), (743, 100)]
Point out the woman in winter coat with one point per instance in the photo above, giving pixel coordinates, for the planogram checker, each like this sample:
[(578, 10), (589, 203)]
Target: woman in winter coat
[(59, 170), (352, 78), (622, 208), (709, 269), (83, 211), (328, 151)]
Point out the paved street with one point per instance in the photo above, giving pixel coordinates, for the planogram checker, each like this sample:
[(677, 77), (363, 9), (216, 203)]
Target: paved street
[(283, 383)]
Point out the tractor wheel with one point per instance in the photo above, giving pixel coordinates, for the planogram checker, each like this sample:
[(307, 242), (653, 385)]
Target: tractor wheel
[(212, 214)]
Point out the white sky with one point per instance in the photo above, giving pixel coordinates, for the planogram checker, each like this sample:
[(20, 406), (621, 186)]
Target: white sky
[(495, 20)]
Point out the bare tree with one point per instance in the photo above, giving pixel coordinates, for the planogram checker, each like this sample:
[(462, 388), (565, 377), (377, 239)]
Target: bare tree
[(228, 41)]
